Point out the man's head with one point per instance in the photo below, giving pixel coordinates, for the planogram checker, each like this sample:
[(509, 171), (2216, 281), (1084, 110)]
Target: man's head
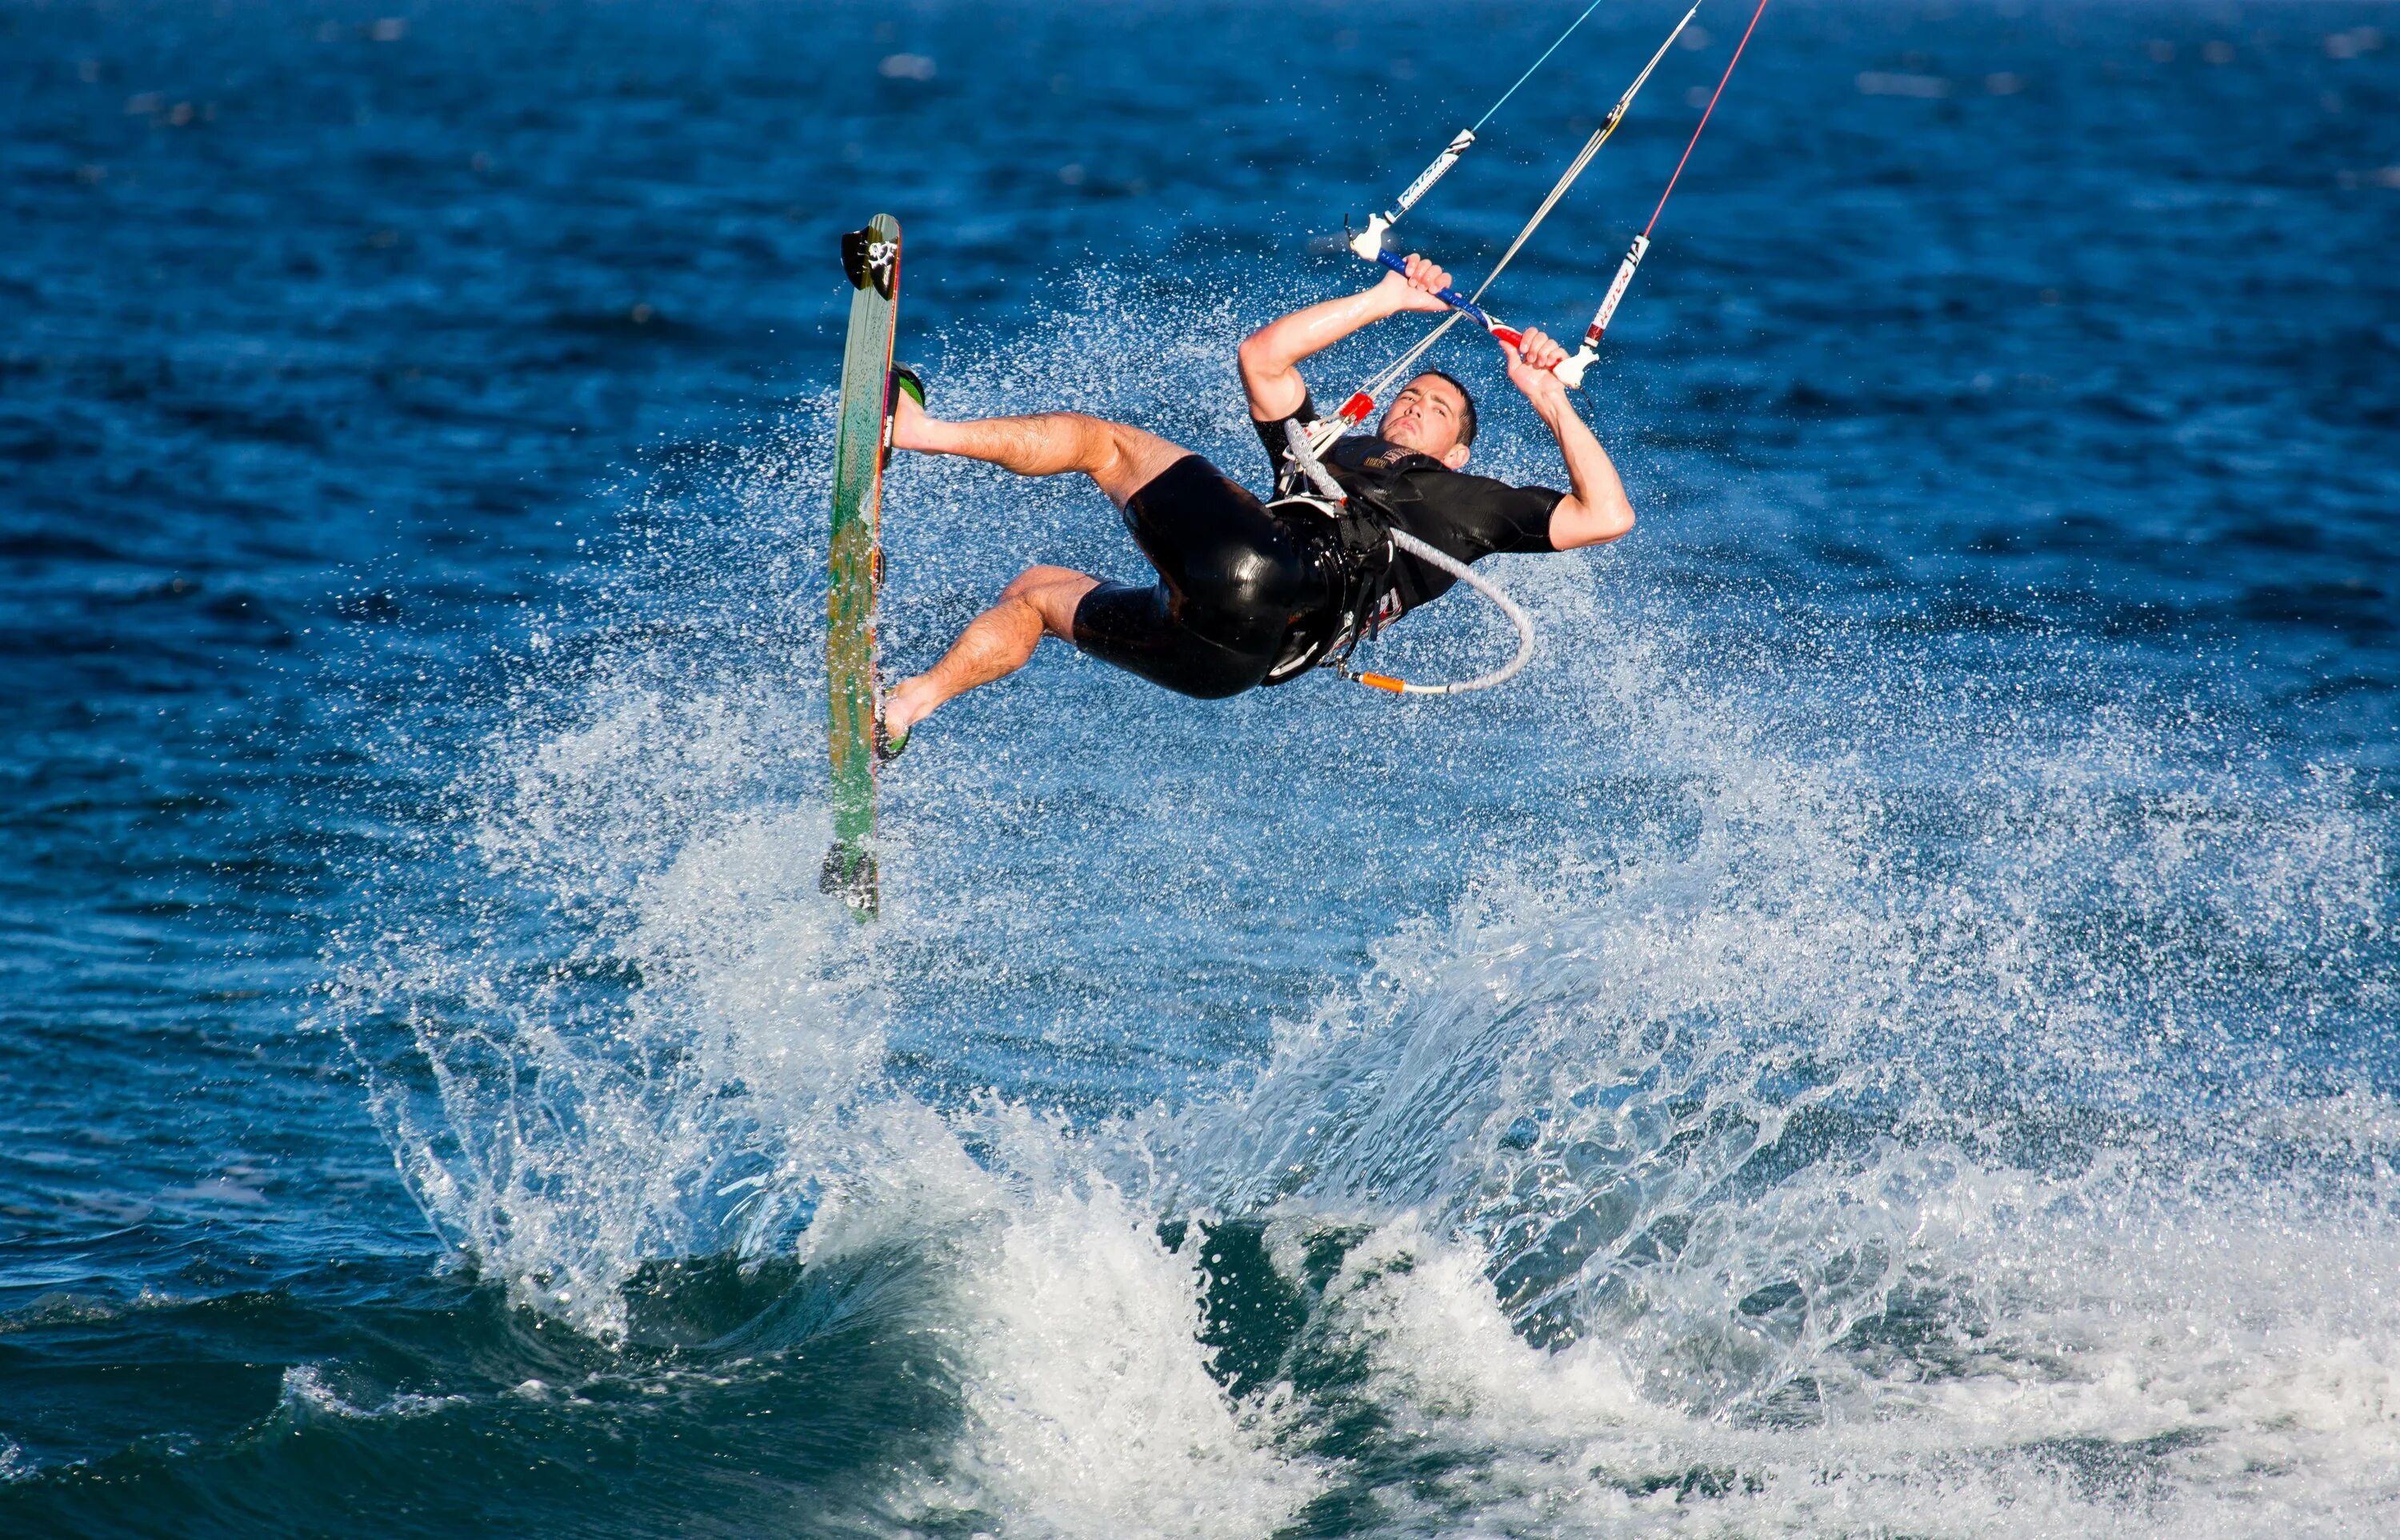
[(1432, 414)]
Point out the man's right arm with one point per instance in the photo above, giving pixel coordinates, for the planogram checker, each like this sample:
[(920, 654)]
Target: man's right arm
[(1269, 356)]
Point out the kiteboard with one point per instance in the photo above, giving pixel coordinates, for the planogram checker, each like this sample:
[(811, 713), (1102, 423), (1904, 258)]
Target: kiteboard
[(870, 258)]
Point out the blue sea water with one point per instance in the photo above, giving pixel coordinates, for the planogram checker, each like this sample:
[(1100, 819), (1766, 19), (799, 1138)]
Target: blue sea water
[(1890, 1027)]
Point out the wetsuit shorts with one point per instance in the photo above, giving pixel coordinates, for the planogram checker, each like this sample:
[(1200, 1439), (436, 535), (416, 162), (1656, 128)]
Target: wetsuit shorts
[(1231, 584)]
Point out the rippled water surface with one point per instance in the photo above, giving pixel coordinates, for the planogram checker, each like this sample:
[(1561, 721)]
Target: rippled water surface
[(1889, 1028)]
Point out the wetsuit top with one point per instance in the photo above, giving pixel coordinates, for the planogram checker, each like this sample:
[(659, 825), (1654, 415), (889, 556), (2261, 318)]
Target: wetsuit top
[(1467, 516)]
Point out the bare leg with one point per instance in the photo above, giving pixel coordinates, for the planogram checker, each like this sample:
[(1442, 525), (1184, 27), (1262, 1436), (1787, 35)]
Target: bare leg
[(1042, 600), (1122, 459), (998, 642)]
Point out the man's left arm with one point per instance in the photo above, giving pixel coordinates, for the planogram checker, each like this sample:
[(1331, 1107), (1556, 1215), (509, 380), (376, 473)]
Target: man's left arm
[(1596, 511)]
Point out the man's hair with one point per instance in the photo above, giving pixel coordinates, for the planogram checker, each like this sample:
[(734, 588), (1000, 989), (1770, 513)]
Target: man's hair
[(1466, 417)]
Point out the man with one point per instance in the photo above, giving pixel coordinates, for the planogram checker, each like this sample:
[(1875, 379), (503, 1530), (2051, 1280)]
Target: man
[(1247, 596)]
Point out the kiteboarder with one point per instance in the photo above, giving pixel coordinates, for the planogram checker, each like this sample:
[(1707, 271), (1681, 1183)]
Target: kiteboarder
[(1250, 593)]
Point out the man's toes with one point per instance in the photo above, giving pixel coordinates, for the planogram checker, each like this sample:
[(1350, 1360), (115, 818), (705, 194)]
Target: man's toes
[(900, 709)]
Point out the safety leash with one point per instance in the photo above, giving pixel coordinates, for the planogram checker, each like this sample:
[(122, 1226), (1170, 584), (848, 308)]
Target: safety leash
[(1460, 571)]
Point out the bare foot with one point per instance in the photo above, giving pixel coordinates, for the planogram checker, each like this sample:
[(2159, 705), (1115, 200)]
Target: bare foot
[(912, 428), (905, 704)]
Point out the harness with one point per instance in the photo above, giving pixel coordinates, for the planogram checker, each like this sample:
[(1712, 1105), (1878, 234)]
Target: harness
[(1345, 526), (1359, 549), (1352, 529)]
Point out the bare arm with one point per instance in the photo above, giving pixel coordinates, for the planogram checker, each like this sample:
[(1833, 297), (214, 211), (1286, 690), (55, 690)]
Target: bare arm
[(1597, 509), (1269, 354)]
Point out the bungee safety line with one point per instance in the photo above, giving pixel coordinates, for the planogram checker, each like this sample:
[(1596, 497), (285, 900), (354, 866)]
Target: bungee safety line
[(1490, 590), (1307, 444)]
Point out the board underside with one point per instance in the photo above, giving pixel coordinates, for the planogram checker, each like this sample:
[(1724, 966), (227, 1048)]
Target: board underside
[(872, 259)]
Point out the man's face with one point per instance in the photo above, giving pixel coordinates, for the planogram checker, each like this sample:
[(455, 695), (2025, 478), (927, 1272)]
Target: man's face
[(1425, 416)]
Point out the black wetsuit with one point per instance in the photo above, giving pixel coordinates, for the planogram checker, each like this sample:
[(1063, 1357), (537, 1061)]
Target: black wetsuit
[(1247, 596)]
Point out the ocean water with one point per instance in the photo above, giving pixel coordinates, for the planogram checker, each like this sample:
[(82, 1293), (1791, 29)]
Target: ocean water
[(1890, 1027)]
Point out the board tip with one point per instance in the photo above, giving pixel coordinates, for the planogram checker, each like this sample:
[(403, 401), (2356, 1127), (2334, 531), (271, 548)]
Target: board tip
[(850, 875)]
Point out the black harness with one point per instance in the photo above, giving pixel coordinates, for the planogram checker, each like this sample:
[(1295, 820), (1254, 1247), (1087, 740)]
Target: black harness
[(1350, 542)]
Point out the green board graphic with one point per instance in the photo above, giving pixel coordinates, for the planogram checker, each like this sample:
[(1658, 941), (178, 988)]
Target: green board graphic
[(871, 259)]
